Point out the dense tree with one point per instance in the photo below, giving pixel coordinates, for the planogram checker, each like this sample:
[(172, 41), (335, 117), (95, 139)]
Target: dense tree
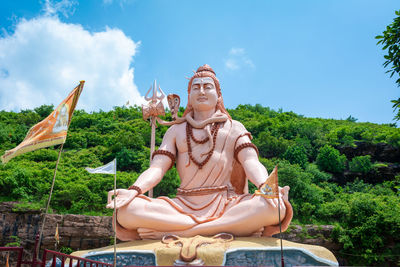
[(306, 150), (296, 155), (330, 160), (44, 110), (360, 164), (391, 42)]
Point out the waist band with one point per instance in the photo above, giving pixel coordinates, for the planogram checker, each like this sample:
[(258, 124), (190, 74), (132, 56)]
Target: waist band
[(203, 190)]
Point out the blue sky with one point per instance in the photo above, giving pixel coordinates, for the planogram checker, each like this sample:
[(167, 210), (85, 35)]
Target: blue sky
[(316, 58)]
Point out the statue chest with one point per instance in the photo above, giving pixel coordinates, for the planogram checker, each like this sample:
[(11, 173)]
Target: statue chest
[(200, 141)]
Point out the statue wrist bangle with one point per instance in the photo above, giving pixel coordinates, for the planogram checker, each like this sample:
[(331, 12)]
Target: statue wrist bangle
[(137, 188)]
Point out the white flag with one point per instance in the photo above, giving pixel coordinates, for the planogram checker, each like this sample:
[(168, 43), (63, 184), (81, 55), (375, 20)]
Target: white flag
[(109, 168)]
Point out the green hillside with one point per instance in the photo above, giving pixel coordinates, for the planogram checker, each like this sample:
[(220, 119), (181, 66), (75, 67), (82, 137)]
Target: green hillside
[(340, 172)]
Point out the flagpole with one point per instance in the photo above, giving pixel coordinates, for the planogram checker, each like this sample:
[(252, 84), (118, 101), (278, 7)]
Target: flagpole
[(280, 229), (49, 199), (115, 212)]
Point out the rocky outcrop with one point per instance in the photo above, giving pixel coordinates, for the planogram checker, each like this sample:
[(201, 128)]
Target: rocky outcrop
[(319, 235), (379, 152), (374, 176), (80, 232), (76, 231)]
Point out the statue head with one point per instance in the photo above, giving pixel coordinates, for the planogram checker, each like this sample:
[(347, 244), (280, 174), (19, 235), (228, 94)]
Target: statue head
[(203, 72)]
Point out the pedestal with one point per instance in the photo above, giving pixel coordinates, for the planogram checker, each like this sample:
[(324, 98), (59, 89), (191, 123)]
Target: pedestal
[(247, 251)]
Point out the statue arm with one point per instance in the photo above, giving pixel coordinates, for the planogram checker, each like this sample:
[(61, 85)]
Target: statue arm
[(159, 164), (248, 157), (149, 178)]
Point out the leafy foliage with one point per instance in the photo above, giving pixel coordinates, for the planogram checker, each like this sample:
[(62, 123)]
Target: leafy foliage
[(296, 155), (306, 150), (391, 42), (330, 160), (361, 164)]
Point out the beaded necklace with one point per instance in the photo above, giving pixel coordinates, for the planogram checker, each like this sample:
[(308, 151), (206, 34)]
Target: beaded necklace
[(189, 135)]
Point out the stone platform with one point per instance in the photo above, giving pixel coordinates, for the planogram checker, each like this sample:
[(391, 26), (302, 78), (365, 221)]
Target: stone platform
[(249, 251)]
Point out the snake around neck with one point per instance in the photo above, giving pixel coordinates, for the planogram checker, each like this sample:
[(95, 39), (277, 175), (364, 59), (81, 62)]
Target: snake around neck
[(205, 124), (217, 117)]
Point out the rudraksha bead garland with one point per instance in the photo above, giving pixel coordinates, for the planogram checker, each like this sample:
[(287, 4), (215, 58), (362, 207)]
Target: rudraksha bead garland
[(137, 188), (165, 153), (240, 147), (190, 130), (209, 154)]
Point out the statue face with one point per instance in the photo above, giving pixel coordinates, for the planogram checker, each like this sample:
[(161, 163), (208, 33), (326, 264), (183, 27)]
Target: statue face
[(203, 94)]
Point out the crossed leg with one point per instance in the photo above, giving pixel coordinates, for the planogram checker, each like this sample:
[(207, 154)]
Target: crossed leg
[(155, 214), (154, 219)]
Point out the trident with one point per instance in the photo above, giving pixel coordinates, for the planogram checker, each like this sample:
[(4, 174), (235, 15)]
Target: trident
[(152, 110)]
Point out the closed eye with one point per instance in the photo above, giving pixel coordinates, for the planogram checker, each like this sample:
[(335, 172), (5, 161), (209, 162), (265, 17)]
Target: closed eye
[(209, 86)]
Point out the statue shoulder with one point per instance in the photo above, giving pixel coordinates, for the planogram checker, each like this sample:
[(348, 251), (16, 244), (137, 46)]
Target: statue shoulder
[(240, 133), (238, 127), (175, 129)]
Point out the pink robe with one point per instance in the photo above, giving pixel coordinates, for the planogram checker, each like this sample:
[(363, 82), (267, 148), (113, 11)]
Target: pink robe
[(216, 173), (222, 170)]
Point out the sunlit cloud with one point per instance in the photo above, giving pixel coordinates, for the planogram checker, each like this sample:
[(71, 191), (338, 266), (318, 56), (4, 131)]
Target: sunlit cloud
[(64, 7), (237, 59), (44, 58)]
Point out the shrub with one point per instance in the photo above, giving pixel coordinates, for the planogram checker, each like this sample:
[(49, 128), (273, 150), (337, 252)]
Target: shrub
[(330, 160), (129, 159), (296, 155), (318, 176), (44, 110), (361, 164), (270, 146)]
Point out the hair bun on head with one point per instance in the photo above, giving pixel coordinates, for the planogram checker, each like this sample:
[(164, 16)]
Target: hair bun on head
[(205, 67)]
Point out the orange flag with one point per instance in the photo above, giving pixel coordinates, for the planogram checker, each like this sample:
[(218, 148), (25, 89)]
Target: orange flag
[(50, 131), (270, 188)]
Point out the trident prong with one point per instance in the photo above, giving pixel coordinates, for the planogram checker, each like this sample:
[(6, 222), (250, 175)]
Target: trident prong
[(155, 95), (161, 97), (146, 96)]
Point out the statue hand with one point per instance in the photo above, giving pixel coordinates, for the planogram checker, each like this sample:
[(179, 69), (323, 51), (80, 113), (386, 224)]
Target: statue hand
[(122, 198)]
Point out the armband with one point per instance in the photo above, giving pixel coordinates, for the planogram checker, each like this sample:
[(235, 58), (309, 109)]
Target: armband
[(245, 134), (240, 147), (165, 153)]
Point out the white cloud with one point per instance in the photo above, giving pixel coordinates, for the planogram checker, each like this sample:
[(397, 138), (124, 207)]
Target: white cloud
[(120, 2), (238, 59), (236, 51), (44, 59), (231, 64), (65, 7)]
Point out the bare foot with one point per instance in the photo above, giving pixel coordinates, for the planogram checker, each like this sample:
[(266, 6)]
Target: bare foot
[(258, 233)]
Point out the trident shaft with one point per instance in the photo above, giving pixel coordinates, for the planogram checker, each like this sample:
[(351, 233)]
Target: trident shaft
[(152, 110)]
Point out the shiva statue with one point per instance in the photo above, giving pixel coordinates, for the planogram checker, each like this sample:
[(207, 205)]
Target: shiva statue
[(214, 157)]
